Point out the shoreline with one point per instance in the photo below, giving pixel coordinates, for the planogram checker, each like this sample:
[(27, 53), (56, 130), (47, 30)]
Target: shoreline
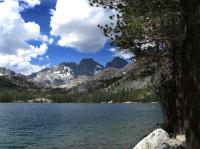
[(52, 102)]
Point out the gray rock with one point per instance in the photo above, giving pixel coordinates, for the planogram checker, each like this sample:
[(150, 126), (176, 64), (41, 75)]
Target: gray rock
[(154, 140), (40, 100), (163, 146), (159, 139)]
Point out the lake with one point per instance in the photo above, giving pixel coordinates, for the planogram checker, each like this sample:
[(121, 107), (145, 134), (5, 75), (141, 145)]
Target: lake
[(75, 126)]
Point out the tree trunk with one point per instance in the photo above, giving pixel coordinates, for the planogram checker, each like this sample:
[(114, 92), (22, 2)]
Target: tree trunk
[(191, 73), (179, 107), (172, 100), (167, 92)]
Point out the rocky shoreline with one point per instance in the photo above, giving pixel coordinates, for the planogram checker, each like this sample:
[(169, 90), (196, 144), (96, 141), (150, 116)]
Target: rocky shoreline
[(37, 100), (45, 100), (159, 139)]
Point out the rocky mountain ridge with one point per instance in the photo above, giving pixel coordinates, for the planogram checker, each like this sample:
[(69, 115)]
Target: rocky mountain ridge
[(130, 77), (69, 74), (85, 76), (6, 72)]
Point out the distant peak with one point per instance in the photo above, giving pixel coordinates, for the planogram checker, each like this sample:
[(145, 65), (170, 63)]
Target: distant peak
[(68, 64), (87, 60), (117, 62)]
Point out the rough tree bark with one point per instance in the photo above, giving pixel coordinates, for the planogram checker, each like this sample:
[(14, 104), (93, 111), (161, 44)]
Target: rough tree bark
[(179, 99), (167, 91), (180, 105), (191, 72), (171, 96)]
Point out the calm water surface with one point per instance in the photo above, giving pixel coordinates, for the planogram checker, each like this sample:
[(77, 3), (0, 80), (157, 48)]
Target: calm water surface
[(75, 126)]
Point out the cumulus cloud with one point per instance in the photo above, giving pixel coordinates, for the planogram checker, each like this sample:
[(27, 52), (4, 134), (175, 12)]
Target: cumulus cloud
[(31, 3), (15, 52), (75, 22), (122, 54)]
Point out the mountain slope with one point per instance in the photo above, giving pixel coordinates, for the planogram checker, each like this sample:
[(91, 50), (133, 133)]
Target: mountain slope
[(112, 79), (16, 82)]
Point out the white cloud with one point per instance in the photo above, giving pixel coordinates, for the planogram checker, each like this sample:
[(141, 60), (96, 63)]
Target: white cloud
[(122, 54), (51, 41), (31, 3), (20, 62), (44, 58), (75, 21), (15, 52)]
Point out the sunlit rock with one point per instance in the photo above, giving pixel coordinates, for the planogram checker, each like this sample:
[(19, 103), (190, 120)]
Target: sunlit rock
[(154, 140)]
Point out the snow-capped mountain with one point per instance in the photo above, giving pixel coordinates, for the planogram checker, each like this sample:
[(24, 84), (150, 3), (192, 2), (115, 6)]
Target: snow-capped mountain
[(86, 76), (55, 76), (68, 74)]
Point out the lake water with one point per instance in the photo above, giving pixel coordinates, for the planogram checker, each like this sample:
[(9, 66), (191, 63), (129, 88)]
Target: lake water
[(75, 126)]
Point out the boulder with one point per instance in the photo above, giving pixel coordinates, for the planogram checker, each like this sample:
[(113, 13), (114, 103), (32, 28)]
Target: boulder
[(163, 146), (176, 143), (40, 100), (156, 140)]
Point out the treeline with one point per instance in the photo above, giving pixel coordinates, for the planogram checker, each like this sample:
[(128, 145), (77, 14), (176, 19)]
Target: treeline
[(61, 96), (139, 95), (12, 94)]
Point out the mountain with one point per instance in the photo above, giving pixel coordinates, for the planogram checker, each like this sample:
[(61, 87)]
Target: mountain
[(17, 82), (130, 77), (11, 79), (70, 74), (87, 81), (117, 62), (66, 73), (73, 66), (89, 67), (98, 81), (6, 72), (55, 76)]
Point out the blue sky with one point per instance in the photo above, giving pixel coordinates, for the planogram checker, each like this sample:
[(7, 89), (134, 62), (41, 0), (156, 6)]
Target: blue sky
[(42, 33), (59, 54)]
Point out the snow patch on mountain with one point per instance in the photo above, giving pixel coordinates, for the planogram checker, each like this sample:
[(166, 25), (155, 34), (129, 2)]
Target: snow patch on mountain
[(54, 76)]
